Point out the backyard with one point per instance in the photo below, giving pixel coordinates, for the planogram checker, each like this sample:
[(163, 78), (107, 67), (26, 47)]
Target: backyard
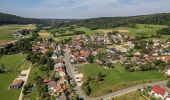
[(116, 78)]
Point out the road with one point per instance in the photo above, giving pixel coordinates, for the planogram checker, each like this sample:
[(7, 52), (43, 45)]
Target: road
[(26, 78), (70, 71)]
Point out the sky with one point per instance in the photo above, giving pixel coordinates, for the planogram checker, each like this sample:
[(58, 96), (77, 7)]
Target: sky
[(73, 9)]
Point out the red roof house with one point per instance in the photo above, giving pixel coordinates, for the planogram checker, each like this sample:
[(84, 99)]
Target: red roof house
[(158, 91)]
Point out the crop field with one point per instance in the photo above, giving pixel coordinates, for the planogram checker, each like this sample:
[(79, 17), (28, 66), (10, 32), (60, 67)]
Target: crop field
[(11, 63), (116, 78), (44, 34), (7, 30)]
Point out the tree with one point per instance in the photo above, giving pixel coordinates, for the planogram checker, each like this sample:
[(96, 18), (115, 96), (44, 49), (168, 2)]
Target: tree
[(168, 84), (90, 59), (99, 76), (43, 60), (87, 90)]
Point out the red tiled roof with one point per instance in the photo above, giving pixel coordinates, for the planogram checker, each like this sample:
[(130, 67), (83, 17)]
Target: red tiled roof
[(168, 96), (166, 58), (158, 90)]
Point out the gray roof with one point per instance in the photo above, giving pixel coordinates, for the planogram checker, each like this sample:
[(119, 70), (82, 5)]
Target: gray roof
[(167, 67)]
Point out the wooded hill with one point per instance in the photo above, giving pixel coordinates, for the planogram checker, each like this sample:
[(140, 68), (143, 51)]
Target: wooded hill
[(13, 19), (110, 22), (93, 23)]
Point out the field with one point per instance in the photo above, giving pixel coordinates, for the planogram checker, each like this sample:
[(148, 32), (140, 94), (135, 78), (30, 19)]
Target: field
[(130, 96), (7, 30), (141, 30), (116, 78), (12, 63), (44, 34)]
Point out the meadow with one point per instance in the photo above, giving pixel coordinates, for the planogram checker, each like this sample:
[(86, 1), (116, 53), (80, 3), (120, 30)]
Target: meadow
[(7, 30), (12, 63), (116, 78), (147, 30)]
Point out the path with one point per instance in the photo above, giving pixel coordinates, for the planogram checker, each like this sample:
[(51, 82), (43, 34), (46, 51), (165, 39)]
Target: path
[(25, 81)]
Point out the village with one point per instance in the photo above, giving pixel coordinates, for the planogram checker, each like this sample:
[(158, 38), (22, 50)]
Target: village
[(104, 49)]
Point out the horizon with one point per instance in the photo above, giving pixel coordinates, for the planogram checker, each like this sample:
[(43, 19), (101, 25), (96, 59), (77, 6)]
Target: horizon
[(73, 9)]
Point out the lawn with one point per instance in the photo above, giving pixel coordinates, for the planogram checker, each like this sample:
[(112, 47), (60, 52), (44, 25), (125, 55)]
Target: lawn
[(7, 30), (11, 62), (130, 96), (25, 65), (117, 78)]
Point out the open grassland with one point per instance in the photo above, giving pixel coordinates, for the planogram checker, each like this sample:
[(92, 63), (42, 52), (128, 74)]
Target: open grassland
[(44, 34), (7, 30), (12, 63), (142, 30), (117, 78), (130, 96)]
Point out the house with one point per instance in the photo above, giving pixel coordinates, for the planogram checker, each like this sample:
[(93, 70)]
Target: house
[(16, 84), (164, 58), (121, 49), (167, 69), (159, 92)]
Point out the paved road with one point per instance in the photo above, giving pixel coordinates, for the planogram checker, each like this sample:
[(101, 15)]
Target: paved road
[(26, 78), (70, 71), (78, 89)]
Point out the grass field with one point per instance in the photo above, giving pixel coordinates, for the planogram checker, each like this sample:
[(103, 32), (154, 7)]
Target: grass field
[(142, 30), (11, 62), (7, 30), (117, 78), (130, 96), (25, 65)]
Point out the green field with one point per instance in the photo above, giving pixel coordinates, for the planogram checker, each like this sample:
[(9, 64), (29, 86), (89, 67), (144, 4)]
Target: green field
[(12, 63), (130, 96), (141, 30), (117, 78), (7, 30)]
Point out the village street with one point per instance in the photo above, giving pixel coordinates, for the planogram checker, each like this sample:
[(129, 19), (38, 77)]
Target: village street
[(70, 71)]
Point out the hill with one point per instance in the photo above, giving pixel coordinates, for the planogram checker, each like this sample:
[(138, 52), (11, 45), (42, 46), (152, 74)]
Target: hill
[(110, 22), (13, 19)]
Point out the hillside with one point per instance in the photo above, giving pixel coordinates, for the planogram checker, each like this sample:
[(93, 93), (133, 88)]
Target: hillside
[(110, 22), (13, 19)]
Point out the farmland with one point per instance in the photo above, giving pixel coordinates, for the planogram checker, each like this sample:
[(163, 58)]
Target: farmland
[(141, 30), (44, 34), (116, 78), (11, 63), (7, 30)]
